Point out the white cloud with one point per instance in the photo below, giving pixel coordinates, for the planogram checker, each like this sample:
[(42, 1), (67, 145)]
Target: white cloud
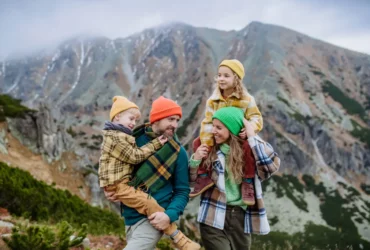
[(39, 24), (356, 41)]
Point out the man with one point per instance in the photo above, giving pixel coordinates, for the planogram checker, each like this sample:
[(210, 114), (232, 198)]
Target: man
[(164, 175)]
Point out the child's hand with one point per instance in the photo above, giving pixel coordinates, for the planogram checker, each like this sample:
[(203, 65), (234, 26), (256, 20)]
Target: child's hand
[(162, 139), (201, 152), (249, 128), (110, 195), (243, 134)]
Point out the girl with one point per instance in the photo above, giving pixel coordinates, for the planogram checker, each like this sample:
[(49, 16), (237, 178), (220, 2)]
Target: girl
[(225, 221), (229, 92)]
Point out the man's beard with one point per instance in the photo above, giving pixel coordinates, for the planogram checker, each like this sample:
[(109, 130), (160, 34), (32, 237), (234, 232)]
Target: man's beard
[(165, 132)]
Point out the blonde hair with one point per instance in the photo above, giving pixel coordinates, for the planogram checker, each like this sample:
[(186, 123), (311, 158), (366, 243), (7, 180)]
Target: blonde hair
[(238, 86), (235, 160), (134, 111)]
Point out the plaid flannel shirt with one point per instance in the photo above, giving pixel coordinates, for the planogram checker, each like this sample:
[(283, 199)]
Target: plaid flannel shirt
[(217, 101), (119, 154), (212, 208)]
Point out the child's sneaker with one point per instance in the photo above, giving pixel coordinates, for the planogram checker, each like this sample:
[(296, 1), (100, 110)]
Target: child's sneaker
[(202, 183), (248, 192), (184, 243)]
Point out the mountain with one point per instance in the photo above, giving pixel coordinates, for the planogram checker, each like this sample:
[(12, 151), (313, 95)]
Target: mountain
[(314, 98)]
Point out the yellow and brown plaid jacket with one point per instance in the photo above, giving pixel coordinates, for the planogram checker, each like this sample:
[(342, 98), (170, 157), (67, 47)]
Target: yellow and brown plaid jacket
[(119, 154), (217, 101)]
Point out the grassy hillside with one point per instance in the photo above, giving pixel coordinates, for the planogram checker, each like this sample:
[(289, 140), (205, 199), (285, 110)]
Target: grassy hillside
[(25, 196)]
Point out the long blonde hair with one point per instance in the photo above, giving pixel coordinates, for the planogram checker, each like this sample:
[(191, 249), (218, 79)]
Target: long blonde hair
[(236, 158), (239, 87)]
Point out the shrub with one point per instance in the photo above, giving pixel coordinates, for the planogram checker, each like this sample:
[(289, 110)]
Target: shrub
[(365, 188), (71, 132), (10, 107), (286, 185), (24, 196), (283, 100), (44, 238), (164, 244), (361, 133), (351, 105), (318, 73)]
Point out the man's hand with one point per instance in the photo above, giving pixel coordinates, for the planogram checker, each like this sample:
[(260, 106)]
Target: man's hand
[(159, 220), (110, 196)]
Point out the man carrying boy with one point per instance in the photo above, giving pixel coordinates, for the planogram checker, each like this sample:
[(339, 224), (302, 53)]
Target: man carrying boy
[(164, 175)]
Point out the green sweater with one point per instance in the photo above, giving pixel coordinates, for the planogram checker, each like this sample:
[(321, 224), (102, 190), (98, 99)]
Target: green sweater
[(233, 190)]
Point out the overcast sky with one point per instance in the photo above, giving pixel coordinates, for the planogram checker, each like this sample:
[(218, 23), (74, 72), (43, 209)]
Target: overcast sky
[(30, 25)]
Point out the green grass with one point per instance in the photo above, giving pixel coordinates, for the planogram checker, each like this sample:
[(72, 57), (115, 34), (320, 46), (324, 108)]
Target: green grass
[(287, 185), (317, 189), (278, 134), (313, 238), (71, 132), (164, 244), (318, 73), (10, 107), (25, 196), (351, 105), (365, 188), (367, 107), (363, 134), (299, 117), (283, 100), (335, 211), (273, 220)]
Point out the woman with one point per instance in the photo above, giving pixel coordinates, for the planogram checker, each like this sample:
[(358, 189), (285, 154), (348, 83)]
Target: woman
[(225, 220)]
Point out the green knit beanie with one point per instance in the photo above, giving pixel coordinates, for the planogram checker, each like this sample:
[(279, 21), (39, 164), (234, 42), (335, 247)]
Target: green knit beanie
[(231, 117)]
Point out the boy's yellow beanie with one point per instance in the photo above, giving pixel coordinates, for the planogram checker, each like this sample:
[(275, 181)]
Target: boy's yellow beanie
[(235, 65), (120, 104)]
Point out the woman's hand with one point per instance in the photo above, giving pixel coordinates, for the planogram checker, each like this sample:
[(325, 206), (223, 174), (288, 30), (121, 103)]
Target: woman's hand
[(249, 128), (201, 152)]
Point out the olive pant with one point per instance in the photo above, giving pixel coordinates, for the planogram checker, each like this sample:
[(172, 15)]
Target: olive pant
[(232, 237)]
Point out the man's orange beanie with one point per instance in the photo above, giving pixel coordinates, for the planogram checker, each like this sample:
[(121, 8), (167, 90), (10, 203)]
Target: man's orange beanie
[(163, 107)]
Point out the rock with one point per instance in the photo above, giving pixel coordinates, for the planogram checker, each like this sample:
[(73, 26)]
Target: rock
[(3, 142), (6, 224), (97, 194), (25, 130), (86, 243), (41, 133)]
